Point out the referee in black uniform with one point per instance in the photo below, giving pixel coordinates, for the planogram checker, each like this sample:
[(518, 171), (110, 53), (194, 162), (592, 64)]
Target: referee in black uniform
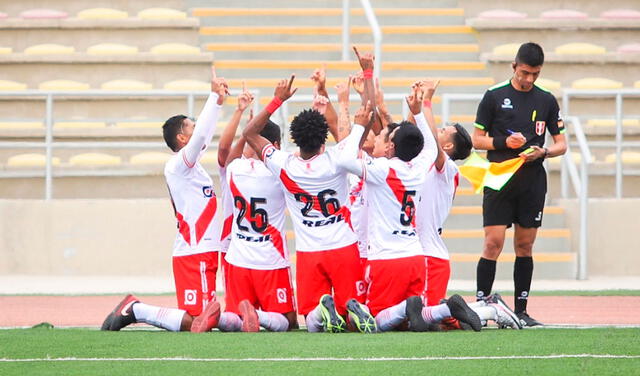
[(512, 117)]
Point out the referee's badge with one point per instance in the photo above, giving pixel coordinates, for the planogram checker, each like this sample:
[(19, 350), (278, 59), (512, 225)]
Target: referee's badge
[(540, 126)]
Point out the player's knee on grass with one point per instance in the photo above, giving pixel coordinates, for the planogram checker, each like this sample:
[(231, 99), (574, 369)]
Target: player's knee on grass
[(187, 320), (292, 317)]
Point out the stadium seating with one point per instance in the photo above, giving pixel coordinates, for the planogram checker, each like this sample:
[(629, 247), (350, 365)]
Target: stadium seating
[(79, 124), (102, 14), (112, 49), (563, 14), (633, 48), (174, 49), (628, 157), (161, 14), (3, 15), (187, 85), (591, 83), (612, 122), (49, 49), (150, 158), (126, 85), (580, 49), (40, 14), (31, 160), (621, 14), (502, 14), (94, 159), (7, 85), (59, 85)]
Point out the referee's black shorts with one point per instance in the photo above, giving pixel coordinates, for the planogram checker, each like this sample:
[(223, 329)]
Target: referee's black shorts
[(520, 201)]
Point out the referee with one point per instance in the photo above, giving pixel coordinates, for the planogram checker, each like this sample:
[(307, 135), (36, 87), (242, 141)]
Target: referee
[(512, 117)]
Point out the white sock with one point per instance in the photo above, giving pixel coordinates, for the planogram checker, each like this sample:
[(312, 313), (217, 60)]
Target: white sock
[(166, 318), (314, 320), (390, 318), (273, 321), (229, 322), (478, 303), (485, 313), (434, 314)]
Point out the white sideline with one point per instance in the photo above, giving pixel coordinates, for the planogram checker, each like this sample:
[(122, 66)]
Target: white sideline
[(426, 358)]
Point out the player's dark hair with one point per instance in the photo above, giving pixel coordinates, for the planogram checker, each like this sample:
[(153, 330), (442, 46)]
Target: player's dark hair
[(170, 130), (271, 132), (530, 54), (461, 143), (390, 128), (408, 141), (309, 130)]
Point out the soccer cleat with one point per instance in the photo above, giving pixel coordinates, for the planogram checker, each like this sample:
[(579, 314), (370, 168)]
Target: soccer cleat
[(208, 319), (461, 311), (414, 314), (450, 323), (526, 320), (331, 320), (122, 315), (250, 322), (505, 317), (360, 317)]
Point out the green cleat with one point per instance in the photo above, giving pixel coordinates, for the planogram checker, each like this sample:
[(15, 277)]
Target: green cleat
[(331, 320), (361, 318)]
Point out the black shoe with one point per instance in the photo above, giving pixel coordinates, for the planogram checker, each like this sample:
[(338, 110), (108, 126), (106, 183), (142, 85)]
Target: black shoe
[(122, 315), (461, 311), (526, 320), (414, 314)]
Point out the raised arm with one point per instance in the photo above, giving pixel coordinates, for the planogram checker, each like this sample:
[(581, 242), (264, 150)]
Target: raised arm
[(226, 138), (369, 99), (344, 121), (319, 77), (414, 100), (348, 158), (429, 86), (252, 131), (206, 123), (383, 117)]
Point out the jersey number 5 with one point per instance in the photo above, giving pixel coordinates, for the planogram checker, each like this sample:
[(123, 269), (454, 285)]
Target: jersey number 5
[(408, 209), (258, 217)]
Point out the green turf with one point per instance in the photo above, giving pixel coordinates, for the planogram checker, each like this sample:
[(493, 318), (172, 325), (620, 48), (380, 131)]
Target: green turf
[(84, 343)]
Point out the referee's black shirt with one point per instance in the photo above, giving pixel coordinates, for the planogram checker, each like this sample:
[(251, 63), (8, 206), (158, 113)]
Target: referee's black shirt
[(505, 110)]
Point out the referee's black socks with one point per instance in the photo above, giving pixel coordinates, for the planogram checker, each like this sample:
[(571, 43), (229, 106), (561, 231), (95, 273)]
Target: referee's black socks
[(522, 275), (485, 274)]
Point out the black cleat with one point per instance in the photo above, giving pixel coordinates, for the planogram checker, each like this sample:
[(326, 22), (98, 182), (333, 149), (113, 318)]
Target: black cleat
[(360, 317), (331, 320), (526, 320), (122, 315), (461, 311), (414, 314)]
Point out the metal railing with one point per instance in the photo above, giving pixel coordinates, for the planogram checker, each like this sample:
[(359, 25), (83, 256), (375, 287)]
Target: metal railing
[(375, 31), (49, 144), (619, 144)]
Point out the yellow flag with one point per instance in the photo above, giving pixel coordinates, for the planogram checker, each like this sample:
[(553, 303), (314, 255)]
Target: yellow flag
[(482, 173)]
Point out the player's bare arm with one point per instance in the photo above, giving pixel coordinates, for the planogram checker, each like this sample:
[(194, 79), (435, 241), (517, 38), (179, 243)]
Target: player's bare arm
[(283, 91), (349, 154), (429, 86), (383, 117), (226, 138), (344, 121), (319, 77)]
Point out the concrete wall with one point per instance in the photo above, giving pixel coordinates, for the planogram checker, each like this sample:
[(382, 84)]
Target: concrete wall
[(614, 248)]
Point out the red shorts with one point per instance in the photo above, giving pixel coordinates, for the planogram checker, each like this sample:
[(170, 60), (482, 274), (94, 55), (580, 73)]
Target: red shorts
[(268, 290), (225, 271), (195, 278), (438, 274), (392, 281), (336, 271)]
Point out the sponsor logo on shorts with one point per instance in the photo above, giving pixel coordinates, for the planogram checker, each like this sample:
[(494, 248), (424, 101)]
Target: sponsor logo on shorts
[(540, 127), (361, 288), (190, 297), (207, 191), (281, 295), (538, 217), (507, 103)]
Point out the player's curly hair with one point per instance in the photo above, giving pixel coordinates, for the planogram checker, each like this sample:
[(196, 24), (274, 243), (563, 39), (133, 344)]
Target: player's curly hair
[(170, 130), (309, 130), (408, 141)]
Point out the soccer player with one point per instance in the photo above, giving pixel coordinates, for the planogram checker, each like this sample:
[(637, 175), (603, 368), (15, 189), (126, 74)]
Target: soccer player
[(259, 289), (196, 247), (512, 117), (396, 264), (315, 191)]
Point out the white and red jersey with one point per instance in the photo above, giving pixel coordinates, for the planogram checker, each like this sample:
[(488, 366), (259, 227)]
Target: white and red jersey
[(358, 207), (316, 192), (191, 189), (226, 204), (439, 191), (257, 235)]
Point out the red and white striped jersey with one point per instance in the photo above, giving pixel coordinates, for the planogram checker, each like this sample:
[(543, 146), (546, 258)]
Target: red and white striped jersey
[(257, 236), (439, 191), (195, 204), (226, 203), (191, 189), (358, 207), (316, 193)]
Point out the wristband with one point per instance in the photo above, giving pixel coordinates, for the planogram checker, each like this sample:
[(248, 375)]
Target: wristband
[(546, 153), (367, 73), (274, 105), (426, 103), (499, 143)]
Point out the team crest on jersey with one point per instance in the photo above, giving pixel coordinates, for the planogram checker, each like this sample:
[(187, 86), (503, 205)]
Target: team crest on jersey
[(207, 191), (269, 152), (507, 103), (361, 288), (540, 126), (190, 297), (281, 295)]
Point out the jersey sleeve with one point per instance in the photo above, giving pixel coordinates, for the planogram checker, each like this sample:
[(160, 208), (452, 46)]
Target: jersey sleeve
[(347, 151), (555, 125), (274, 159), (376, 170), (448, 172), (202, 133), (430, 149), (485, 113)]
